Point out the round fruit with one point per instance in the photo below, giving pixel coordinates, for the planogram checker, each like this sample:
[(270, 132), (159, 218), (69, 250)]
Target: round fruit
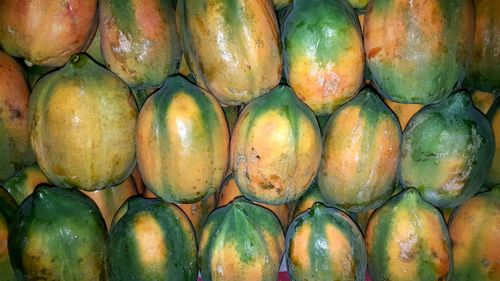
[(407, 239), (139, 40), (152, 240), (446, 151), (231, 46), (182, 142), (241, 241), (82, 125), (275, 148), (360, 154), (418, 51), (325, 244), (323, 55), (46, 32), (58, 234)]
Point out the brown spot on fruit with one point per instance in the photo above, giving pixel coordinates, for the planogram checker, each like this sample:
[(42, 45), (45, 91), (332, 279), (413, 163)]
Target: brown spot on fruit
[(373, 52)]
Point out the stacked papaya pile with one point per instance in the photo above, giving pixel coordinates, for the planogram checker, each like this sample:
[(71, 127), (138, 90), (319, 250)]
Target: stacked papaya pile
[(159, 139)]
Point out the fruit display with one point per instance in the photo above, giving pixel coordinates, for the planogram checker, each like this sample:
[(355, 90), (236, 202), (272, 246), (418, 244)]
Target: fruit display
[(233, 140)]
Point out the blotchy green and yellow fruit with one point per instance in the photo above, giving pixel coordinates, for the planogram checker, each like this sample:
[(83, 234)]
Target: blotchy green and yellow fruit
[(182, 142), (82, 126), (110, 199), (483, 73), (8, 208), (275, 148), (360, 154), (15, 148), (152, 240), (229, 191), (418, 51), (231, 46), (493, 115), (323, 53), (139, 40), (22, 184), (241, 241), (474, 231), (58, 234), (407, 240), (46, 32), (446, 151), (325, 244)]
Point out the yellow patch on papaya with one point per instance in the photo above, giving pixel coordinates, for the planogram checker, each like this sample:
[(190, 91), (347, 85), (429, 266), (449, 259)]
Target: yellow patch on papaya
[(150, 241), (341, 253), (299, 246), (225, 264)]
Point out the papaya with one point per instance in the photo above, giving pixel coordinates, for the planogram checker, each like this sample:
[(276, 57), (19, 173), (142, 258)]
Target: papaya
[(323, 53), (139, 183), (407, 239), (139, 40), (474, 231), (35, 72), (58, 234), (110, 199), (275, 148), (241, 241), (8, 208), (446, 151), (307, 200), (94, 49), (152, 240), (418, 51), (325, 244), (47, 33), (182, 142), (360, 154), (82, 121), (483, 73), (231, 47), (229, 191), (493, 115), (22, 184), (15, 147)]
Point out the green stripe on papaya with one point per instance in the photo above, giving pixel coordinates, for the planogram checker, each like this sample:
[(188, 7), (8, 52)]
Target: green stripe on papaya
[(320, 25), (377, 251), (153, 240), (58, 234), (123, 13)]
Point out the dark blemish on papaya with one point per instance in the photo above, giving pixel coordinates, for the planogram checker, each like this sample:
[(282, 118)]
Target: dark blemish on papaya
[(257, 156), (373, 52), (267, 185)]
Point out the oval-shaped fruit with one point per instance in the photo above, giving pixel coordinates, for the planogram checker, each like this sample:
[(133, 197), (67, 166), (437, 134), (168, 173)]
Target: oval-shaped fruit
[(8, 207), (407, 239), (182, 142), (152, 240), (474, 231), (231, 46), (446, 151), (46, 32), (241, 241), (360, 154), (493, 115), (323, 53), (110, 199), (197, 212), (22, 184), (229, 191), (15, 148), (58, 234), (139, 40), (325, 244), (482, 100), (418, 51), (403, 111), (82, 125), (275, 148), (483, 73)]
